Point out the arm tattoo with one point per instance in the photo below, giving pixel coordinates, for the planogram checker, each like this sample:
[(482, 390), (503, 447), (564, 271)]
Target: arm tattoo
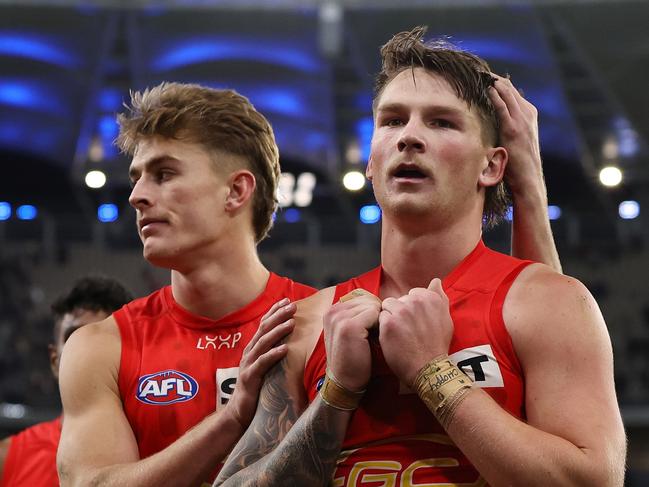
[(276, 413), (308, 454)]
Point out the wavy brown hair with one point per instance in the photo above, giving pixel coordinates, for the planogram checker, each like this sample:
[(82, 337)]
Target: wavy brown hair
[(468, 75), (219, 120)]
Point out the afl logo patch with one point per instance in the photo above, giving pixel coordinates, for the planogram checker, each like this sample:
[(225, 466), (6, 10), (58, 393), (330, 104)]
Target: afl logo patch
[(166, 387)]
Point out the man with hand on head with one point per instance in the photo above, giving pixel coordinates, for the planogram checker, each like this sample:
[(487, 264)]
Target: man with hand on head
[(450, 363), (149, 393), (29, 457)]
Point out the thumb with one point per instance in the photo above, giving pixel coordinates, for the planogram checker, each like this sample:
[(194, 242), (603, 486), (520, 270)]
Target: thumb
[(436, 287)]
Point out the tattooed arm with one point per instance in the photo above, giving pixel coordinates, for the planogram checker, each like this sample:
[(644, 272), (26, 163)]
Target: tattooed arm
[(279, 447), (277, 411), (307, 455)]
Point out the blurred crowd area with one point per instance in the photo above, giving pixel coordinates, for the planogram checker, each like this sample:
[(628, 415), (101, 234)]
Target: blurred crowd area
[(29, 283)]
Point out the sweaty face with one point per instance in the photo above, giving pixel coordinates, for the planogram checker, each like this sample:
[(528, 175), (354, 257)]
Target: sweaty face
[(427, 150), (179, 199)]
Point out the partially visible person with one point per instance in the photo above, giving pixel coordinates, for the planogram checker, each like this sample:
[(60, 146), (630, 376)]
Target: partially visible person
[(149, 393), (29, 457), (450, 363)]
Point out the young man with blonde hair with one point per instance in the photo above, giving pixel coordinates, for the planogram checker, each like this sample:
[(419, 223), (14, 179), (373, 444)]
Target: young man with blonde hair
[(450, 364), (148, 392)]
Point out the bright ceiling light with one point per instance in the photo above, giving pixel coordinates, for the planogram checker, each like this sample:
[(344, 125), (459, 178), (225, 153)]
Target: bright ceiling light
[(628, 210), (354, 180), (610, 176), (95, 179)]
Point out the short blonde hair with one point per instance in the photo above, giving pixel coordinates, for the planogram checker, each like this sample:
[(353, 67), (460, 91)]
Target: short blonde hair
[(220, 120)]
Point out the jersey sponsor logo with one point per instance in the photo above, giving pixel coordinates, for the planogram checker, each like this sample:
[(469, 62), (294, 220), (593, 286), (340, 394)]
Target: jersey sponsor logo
[(441, 464), (480, 364), (166, 387), (217, 342), (226, 379)]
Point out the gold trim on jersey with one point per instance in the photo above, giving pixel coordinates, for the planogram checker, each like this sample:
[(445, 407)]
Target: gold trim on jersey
[(393, 468)]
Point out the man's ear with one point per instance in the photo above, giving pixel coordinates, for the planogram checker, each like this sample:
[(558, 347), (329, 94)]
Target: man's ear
[(241, 185), (494, 170), (54, 359), (368, 169)]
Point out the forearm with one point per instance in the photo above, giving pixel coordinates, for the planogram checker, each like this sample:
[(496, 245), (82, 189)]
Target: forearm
[(507, 451), (307, 456), (531, 232), (202, 447)]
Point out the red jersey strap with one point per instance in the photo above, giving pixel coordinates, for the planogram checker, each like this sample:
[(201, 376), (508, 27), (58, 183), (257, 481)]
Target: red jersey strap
[(504, 342), (31, 459), (370, 281)]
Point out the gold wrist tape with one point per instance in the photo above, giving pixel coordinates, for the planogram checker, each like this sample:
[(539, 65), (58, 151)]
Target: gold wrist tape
[(337, 396), (442, 386)]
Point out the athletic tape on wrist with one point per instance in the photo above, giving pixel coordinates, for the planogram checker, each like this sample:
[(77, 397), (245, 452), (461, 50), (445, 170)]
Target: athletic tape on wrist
[(337, 396), (442, 386)]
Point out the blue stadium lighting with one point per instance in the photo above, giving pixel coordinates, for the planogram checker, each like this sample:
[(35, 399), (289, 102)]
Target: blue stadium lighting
[(36, 47), (110, 100), (370, 214), (315, 141), (292, 215), (363, 101), (628, 210), (554, 212), (286, 102), (29, 95), (5, 210), (509, 215), (364, 131), (107, 212), (627, 137), (496, 49), (108, 126), (548, 100), (26, 212), (10, 131), (212, 49)]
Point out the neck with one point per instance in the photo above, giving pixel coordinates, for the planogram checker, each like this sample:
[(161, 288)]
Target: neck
[(412, 258), (221, 284)]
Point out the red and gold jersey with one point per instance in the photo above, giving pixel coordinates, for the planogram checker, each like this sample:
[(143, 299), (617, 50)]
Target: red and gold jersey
[(392, 438), (176, 367), (31, 459)]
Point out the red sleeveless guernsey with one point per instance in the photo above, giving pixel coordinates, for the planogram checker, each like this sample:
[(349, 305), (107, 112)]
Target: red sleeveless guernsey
[(31, 459), (176, 367), (392, 438)]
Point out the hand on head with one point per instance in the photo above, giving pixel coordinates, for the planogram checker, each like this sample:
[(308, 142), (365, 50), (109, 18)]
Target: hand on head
[(519, 134)]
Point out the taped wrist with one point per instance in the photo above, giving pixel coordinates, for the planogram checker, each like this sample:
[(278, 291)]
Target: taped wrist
[(442, 386), (335, 395)]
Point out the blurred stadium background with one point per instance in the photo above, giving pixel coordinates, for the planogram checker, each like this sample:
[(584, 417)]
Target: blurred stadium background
[(66, 67)]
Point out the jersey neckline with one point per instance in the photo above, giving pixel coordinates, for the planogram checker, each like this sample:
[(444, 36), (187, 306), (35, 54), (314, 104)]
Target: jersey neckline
[(253, 310)]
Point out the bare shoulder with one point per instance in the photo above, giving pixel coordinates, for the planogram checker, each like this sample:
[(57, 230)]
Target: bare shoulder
[(103, 331), (546, 307), (91, 355), (310, 310), (308, 320)]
